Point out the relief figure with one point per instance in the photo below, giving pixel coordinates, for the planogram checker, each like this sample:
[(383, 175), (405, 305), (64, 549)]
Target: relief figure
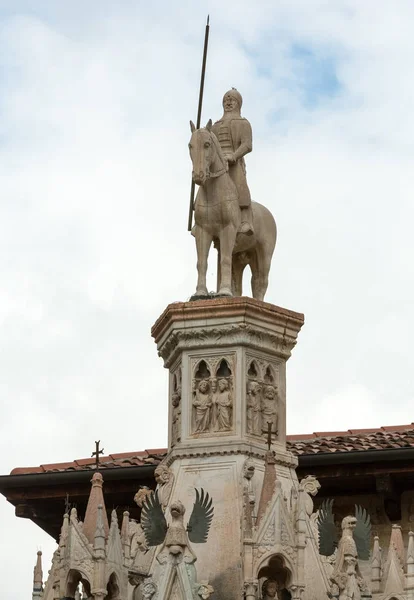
[(202, 404), (269, 407), (253, 408), (223, 406)]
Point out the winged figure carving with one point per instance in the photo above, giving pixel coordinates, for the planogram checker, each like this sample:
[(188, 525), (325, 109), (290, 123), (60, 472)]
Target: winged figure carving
[(358, 529), (175, 536)]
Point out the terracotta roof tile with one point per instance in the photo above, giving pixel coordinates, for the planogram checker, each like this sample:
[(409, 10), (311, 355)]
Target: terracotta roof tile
[(328, 442), (353, 440)]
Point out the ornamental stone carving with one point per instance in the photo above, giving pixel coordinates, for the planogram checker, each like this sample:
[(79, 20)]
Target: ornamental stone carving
[(212, 402)]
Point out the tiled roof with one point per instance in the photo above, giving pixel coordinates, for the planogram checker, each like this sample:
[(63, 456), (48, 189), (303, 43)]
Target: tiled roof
[(123, 459), (323, 442), (352, 440)]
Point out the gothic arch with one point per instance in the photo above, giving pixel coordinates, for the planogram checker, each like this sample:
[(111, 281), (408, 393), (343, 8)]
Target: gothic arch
[(202, 370), (113, 587), (253, 370), (270, 375), (73, 579), (277, 566), (223, 368)]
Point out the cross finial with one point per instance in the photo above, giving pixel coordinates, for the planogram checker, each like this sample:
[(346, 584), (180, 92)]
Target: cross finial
[(269, 434), (97, 453)]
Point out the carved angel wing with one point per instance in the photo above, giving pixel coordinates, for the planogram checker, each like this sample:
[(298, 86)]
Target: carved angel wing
[(201, 517), (328, 540), (362, 532), (153, 520)]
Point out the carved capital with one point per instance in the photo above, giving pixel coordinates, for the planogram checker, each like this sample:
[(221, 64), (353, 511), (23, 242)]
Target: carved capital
[(250, 589)]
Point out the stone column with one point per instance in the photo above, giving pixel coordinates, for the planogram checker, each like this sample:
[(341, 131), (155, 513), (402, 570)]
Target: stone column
[(227, 363)]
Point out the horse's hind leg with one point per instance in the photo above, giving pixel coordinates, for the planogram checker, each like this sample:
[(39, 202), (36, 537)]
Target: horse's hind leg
[(260, 266), (203, 243), (237, 275)]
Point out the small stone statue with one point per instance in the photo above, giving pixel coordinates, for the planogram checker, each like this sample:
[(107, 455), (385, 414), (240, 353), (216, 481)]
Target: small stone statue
[(346, 578), (176, 416), (269, 590), (165, 481), (311, 486), (234, 134), (249, 497), (202, 404)]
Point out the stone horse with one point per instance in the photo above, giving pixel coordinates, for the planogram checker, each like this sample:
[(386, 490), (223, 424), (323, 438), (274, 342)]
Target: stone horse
[(217, 219)]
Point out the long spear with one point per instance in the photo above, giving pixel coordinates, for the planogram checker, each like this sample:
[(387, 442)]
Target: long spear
[(200, 106)]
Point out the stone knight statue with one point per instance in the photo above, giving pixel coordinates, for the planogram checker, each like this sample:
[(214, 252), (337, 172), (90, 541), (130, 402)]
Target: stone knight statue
[(234, 134)]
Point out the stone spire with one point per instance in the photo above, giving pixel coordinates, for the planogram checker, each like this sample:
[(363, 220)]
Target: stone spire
[(409, 578), (38, 577), (394, 567), (91, 516), (269, 484), (376, 566)]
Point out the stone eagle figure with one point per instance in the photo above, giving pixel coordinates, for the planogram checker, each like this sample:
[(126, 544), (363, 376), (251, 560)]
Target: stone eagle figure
[(360, 526), (175, 536), (346, 578)]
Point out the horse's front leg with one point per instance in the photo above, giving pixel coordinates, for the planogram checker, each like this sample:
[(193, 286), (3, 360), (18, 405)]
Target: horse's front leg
[(227, 241), (203, 243)]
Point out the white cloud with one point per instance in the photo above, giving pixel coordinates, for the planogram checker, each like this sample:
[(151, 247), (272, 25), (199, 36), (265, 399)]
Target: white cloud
[(94, 178)]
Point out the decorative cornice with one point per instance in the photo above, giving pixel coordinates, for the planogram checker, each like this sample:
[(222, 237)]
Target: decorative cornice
[(223, 322), (285, 459), (238, 334)]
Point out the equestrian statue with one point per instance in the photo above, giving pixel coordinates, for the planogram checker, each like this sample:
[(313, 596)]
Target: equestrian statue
[(244, 232)]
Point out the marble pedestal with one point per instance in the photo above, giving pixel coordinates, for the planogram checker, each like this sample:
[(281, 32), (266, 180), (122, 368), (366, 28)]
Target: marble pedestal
[(227, 399)]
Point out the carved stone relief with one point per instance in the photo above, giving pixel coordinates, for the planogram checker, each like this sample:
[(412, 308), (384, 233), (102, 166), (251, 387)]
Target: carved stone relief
[(262, 397), (176, 408), (212, 404)]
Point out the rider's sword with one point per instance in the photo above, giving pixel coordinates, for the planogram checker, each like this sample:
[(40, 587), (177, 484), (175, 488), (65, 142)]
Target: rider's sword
[(200, 105)]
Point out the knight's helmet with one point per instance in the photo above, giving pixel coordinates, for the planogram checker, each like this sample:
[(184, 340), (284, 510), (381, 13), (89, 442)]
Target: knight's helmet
[(234, 94)]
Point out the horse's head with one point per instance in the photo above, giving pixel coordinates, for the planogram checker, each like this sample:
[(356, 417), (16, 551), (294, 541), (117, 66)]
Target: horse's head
[(204, 150)]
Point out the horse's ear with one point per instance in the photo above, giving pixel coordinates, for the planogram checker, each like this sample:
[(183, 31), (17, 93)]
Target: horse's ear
[(209, 125), (192, 127)]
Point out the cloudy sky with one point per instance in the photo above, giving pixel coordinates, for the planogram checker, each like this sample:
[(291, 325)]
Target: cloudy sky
[(95, 99)]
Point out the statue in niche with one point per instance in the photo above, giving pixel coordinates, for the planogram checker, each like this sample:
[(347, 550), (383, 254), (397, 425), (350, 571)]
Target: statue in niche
[(202, 403), (165, 481), (249, 497), (176, 416), (269, 408), (223, 404), (254, 407), (270, 590)]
